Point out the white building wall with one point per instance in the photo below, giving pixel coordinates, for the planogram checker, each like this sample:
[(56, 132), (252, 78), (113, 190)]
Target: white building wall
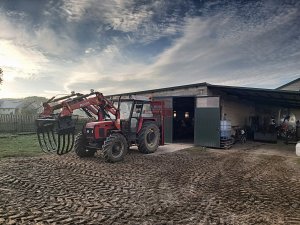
[(292, 87), (296, 112), (7, 111), (237, 111)]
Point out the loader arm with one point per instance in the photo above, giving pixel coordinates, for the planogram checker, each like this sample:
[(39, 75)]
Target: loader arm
[(92, 103), (56, 131)]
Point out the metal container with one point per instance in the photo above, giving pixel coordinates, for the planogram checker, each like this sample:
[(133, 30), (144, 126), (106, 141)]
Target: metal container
[(298, 149), (225, 129)]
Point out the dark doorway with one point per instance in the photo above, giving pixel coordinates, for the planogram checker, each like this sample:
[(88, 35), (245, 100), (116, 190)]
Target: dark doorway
[(183, 119)]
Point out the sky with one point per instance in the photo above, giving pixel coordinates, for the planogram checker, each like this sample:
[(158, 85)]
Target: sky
[(115, 46)]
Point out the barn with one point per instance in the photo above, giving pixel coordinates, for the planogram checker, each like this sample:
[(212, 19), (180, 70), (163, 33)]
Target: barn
[(209, 115)]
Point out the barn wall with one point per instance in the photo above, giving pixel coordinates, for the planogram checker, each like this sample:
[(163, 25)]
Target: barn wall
[(296, 112), (265, 114), (237, 111)]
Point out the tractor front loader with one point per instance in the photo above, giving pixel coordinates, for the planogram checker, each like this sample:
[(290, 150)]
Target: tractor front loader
[(118, 125)]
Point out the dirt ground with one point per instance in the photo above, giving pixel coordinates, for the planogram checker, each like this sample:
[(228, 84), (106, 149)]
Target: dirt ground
[(244, 185)]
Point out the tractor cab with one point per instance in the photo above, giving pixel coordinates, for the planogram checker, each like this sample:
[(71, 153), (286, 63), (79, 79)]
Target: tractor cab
[(133, 113)]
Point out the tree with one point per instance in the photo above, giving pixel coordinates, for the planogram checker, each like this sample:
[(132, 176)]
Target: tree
[(32, 105), (1, 74)]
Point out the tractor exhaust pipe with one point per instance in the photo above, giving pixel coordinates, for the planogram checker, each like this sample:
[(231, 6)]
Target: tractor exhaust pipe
[(56, 135)]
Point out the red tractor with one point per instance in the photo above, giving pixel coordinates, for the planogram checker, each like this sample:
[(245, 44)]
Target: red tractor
[(118, 125)]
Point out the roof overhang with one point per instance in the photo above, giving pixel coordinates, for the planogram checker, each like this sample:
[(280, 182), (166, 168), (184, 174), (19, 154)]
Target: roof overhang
[(204, 84), (288, 99)]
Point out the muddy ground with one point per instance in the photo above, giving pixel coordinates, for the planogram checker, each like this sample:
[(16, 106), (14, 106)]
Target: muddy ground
[(237, 186)]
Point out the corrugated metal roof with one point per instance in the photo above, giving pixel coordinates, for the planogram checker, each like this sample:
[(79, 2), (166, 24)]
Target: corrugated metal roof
[(202, 85), (253, 89), (162, 89), (272, 96)]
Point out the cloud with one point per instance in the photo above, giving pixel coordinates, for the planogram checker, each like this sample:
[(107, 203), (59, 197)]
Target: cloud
[(16, 63), (139, 23), (120, 46), (223, 49), (18, 56), (105, 71), (30, 53), (52, 47), (50, 42)]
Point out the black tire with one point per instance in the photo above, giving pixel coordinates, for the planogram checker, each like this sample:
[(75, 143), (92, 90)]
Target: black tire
[(148, 138), (80, 147), (115, 148)]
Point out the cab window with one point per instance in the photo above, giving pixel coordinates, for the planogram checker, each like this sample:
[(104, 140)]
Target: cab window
[(147, 112)]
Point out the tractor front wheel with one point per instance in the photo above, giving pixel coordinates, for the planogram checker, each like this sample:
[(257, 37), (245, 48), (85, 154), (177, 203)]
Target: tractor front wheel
[(115, 148), (80, 147), (148, 138)]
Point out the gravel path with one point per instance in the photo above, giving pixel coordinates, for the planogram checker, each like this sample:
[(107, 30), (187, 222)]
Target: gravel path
[(185, 187)]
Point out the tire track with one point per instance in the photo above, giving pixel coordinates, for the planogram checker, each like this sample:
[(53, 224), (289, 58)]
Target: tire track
[(179, 188)]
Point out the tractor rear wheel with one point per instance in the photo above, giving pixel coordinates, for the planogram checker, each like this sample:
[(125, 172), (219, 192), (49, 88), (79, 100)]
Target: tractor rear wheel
[(80, 147), (148, 138), (115, 148)]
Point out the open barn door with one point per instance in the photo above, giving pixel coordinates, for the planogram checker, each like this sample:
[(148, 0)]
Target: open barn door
[(207, 122)]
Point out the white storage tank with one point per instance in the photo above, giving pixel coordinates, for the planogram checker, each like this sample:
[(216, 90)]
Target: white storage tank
[(225, 129), (298, 149)]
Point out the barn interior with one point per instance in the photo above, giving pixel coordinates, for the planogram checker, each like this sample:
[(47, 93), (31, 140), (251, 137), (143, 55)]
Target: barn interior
[(183, 119), (266, 115)]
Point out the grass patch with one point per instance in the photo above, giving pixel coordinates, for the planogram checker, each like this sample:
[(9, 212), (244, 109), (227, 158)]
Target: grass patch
[(19, 146)]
